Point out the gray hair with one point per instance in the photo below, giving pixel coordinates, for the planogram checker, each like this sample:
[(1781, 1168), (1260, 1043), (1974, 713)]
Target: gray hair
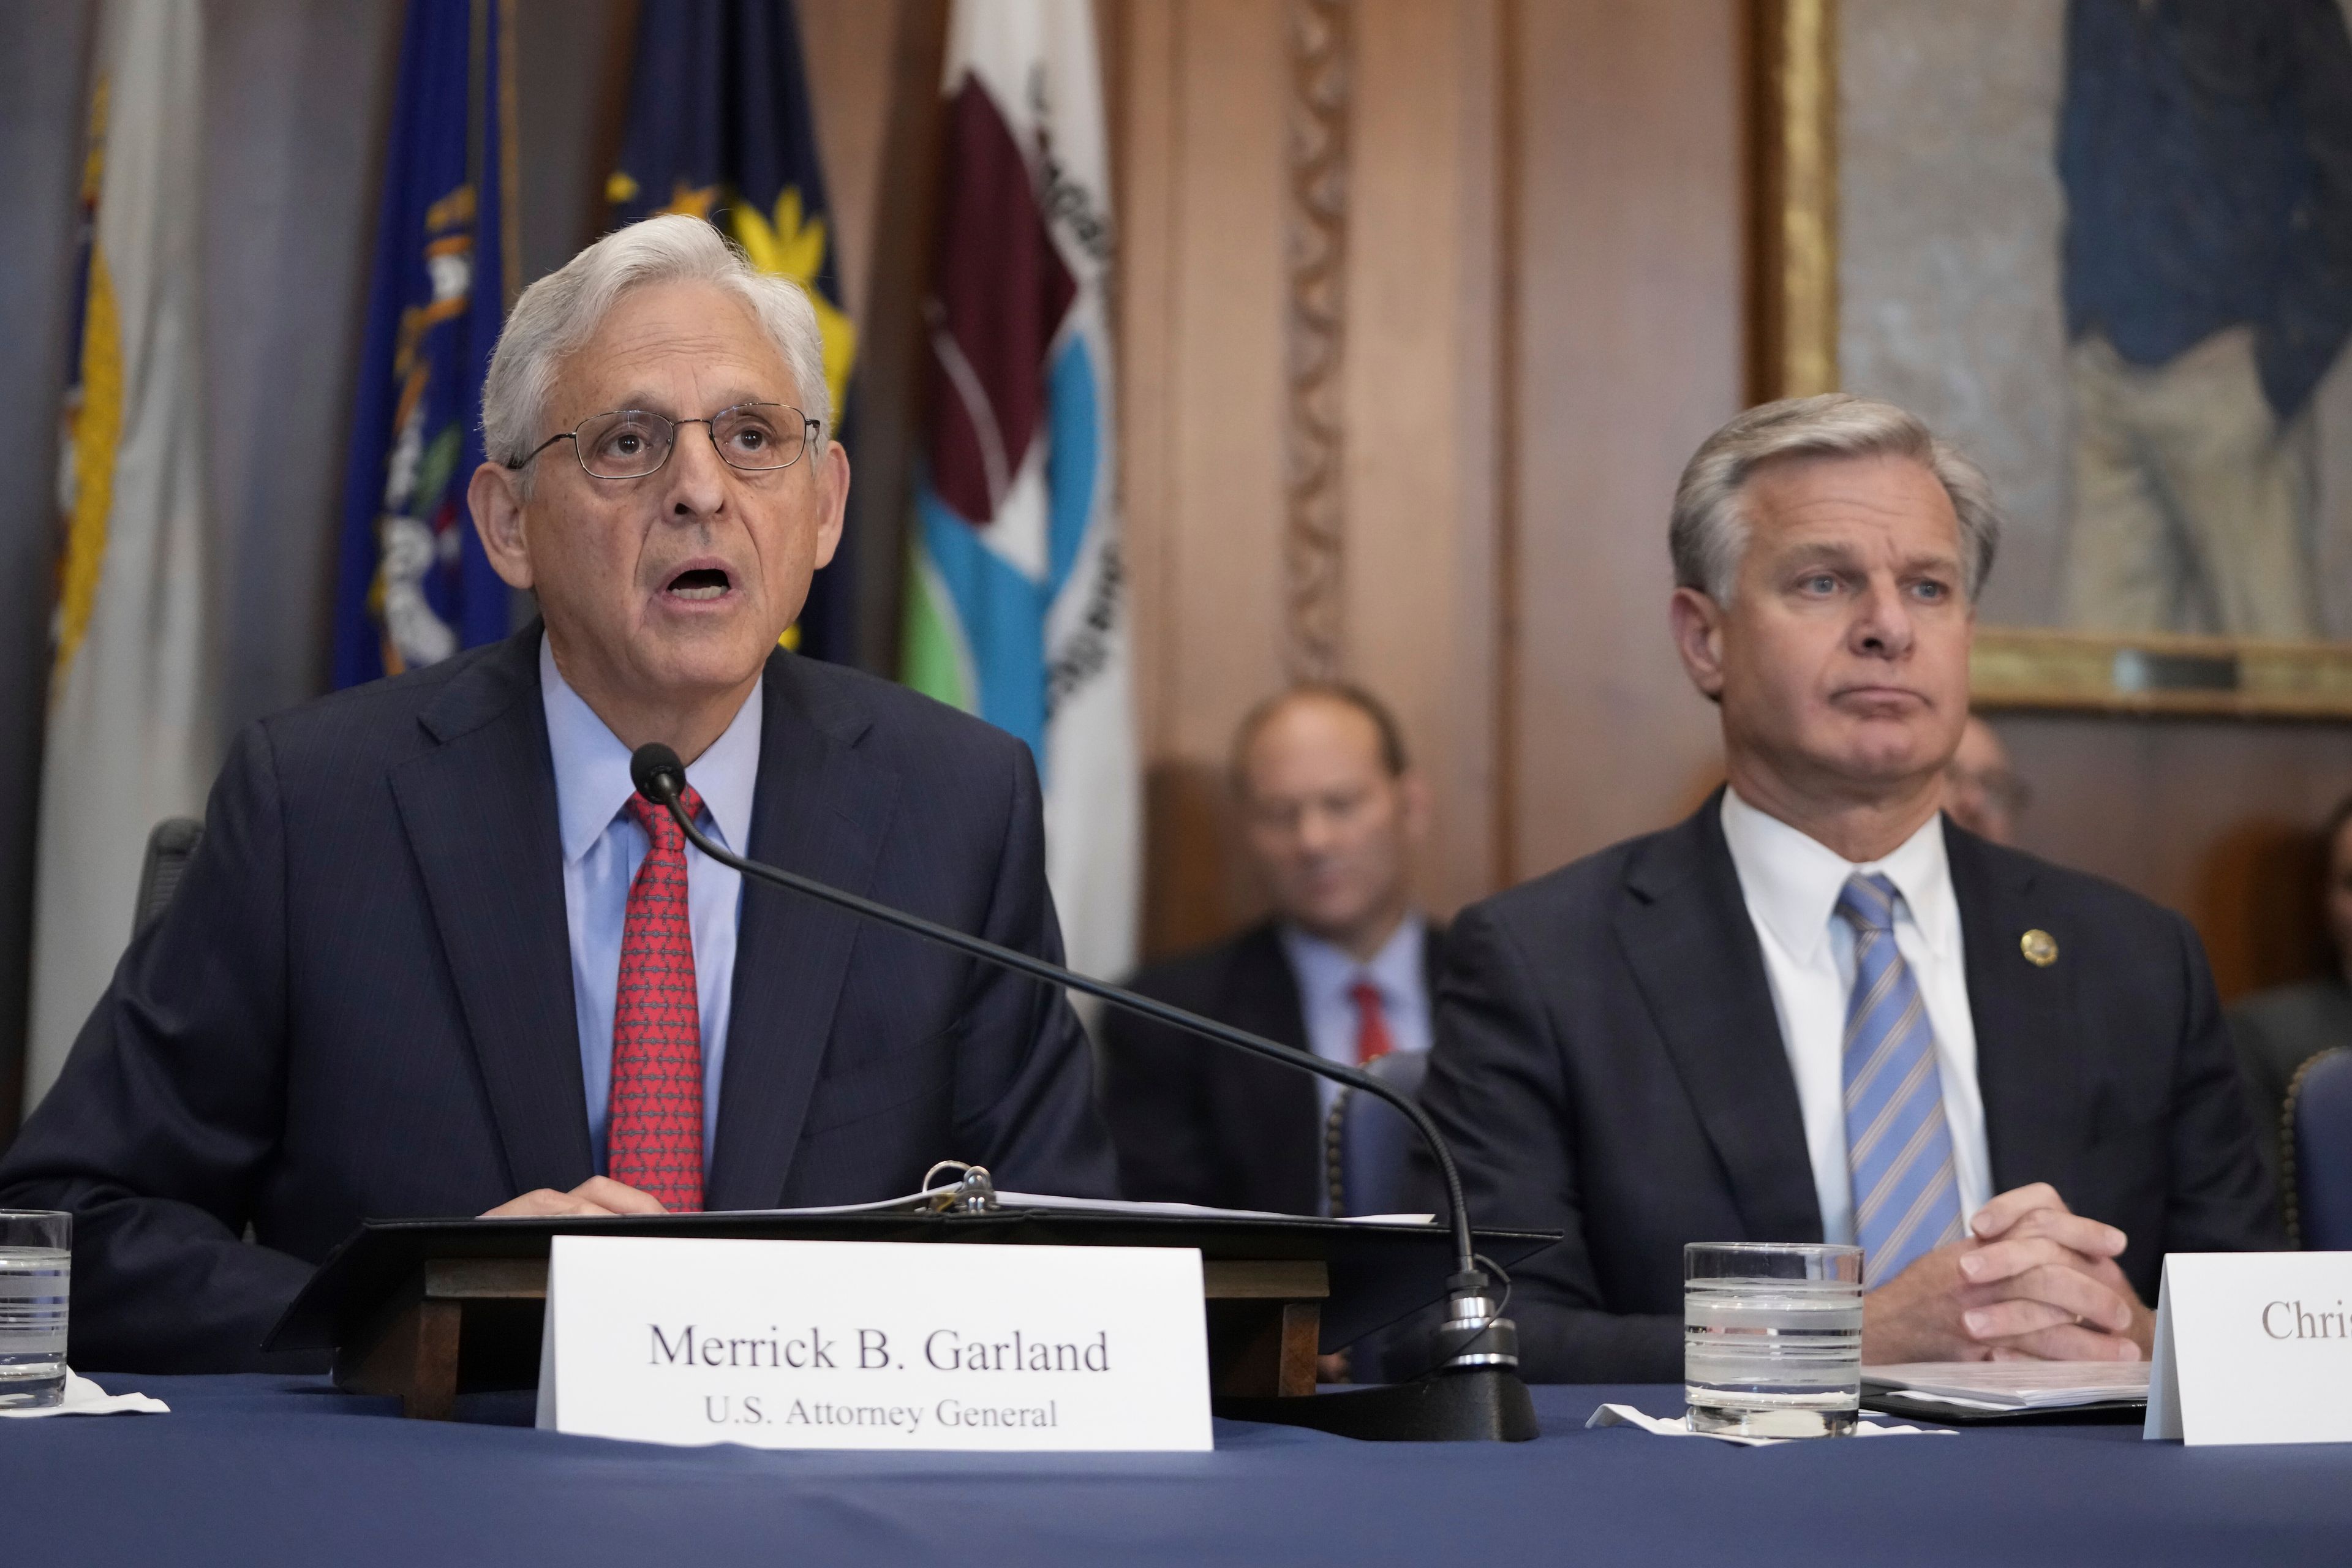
[(1709, 533), (558, 314)]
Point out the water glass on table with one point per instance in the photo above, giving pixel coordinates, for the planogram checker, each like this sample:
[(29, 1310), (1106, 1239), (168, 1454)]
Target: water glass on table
[(35, 1268), (1772, 1338)]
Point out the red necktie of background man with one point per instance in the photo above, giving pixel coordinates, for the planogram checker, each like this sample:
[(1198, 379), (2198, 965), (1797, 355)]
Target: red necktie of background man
[(1371, 1022), (653, 1136)]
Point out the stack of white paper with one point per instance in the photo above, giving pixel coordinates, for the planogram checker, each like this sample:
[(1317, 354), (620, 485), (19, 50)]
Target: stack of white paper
[(2013, 1384), (915, 1202)]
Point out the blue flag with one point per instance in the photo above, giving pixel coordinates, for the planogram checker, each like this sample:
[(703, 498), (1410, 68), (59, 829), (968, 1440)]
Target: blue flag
[(414, 585), (719, 127)]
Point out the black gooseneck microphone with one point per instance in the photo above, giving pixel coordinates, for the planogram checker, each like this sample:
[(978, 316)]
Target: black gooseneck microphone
[(1476, 1335)]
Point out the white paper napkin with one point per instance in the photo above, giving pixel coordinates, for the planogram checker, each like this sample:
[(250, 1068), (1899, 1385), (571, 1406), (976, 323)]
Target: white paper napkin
[(84, 1397), (1679, 1426)]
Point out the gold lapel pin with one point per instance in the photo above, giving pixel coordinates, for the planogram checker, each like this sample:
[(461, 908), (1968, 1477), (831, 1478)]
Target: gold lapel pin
[(2041, 949)]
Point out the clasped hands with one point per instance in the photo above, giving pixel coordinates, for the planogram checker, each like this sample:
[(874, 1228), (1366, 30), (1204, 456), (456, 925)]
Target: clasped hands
[(596, 1195), (2032, 1280)]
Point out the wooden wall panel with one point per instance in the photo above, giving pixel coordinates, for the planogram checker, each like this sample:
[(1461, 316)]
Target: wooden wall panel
[(1220, 633), (1419, 402), (848, 45), (1629, 351), (1204, 92), (1201, 336), (1545, 316)]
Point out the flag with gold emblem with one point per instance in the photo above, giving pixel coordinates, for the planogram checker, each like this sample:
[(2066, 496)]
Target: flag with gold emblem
[(414, 585), (719, 127), (130, 737)]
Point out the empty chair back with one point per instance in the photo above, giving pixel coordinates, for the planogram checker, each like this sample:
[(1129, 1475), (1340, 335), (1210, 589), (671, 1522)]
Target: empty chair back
[(1368, 1142), (2319, 1109)]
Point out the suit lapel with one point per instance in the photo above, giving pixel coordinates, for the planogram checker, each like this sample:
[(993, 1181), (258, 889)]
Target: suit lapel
[(480, 813), (820, 809), (1685, 931), (2024, 1016)]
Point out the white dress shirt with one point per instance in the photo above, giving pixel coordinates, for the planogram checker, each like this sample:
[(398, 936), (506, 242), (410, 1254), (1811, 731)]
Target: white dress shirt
[(603, 847), (1328, 974), (1791, 883)]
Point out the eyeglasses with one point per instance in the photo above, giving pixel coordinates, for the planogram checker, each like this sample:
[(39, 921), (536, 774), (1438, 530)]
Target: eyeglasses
[(630, 443)]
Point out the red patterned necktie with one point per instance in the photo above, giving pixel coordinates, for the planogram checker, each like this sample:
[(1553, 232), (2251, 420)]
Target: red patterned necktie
[(653, 1136), (1371, 1022)]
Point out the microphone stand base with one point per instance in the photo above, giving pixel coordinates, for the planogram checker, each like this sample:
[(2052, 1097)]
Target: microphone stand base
[(1477, 1404)]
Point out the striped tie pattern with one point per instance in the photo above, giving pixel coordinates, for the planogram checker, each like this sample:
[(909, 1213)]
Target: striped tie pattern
[(1906, 1194), (653, 1138)]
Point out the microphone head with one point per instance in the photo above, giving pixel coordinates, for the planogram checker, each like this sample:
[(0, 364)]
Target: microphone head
[(655, 769)]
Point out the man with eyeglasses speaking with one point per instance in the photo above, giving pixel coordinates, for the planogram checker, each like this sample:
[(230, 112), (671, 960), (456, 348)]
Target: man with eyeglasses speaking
[(435, 956)]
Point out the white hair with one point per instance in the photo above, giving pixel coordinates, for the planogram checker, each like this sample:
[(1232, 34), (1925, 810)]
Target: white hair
[(1710, 528), (556, 316)]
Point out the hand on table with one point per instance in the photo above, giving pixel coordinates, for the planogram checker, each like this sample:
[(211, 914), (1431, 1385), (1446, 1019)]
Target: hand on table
[(597, 1194), (2034, 1280)]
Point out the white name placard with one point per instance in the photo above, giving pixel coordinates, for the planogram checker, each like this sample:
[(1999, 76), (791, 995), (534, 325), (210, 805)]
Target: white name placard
[(837, 1344), (2253, 1347)]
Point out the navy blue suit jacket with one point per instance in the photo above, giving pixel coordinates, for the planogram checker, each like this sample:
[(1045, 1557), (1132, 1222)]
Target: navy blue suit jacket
[(1609, 1064), (359, 1003)]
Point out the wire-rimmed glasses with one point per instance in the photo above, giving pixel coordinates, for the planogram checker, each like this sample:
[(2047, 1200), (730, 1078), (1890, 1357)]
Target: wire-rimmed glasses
[(630, 443)]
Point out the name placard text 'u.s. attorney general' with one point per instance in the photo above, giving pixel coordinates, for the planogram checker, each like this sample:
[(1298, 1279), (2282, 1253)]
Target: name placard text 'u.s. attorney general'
[(2253, 1347), (837, 1344)]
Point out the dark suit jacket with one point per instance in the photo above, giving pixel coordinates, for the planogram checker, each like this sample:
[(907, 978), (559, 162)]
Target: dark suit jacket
[(359, 1003), (1199, 1123), (1609, 1064)]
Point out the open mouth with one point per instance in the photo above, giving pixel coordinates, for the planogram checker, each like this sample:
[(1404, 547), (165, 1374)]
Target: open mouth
[(699, 584)]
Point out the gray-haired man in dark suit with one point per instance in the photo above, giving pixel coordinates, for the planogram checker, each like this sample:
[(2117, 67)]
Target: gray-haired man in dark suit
[(435, 956), (1816, 1010)]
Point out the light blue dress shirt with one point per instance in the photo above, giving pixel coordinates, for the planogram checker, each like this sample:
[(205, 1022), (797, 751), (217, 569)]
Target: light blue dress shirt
[(602, 845), (1326, 976)]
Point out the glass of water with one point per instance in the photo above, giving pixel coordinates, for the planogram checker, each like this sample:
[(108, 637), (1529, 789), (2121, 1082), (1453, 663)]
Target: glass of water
[(35, 1267), (1772, 1338)]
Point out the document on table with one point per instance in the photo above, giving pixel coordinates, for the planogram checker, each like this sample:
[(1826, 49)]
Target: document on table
[(1187, 1210), (917, 1202), (2013, 1384)]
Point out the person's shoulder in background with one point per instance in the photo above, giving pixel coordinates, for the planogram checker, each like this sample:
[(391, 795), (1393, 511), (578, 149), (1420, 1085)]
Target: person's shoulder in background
[(2275, 1032), (2296, 1021), (1195, 979), (1170, 1097)]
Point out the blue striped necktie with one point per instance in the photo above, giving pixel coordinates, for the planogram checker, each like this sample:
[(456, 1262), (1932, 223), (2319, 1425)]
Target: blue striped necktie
[(1907, 1195)]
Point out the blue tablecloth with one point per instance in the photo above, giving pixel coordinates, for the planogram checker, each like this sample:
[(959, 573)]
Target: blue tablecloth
[(259, 1471)]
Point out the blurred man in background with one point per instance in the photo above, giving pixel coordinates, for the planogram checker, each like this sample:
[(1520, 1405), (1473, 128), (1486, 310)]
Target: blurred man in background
[(2279, 1030), (1981, 790), (1332, 814)]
